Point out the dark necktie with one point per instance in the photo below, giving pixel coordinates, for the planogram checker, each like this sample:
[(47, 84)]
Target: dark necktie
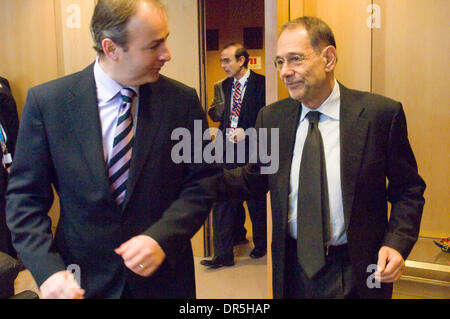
[(120, 159), (313, 206)]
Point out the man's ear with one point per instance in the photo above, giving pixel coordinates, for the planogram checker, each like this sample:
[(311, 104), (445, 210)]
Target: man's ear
[(241, 60), (329, 56), (111, 49)]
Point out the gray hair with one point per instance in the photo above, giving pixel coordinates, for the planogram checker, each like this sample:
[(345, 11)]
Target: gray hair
[(319, 32)]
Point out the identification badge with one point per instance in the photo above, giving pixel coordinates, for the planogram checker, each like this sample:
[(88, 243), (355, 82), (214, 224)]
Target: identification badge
[(7, 158), (234, 121)]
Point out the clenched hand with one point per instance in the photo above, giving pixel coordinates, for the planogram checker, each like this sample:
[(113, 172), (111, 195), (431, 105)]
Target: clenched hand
[(142, 255)]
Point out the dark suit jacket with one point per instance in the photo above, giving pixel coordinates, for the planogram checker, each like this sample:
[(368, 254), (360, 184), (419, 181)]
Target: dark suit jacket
[(60, 144), (5, 82), (10, 123), (254, 99), (374, 146), (8, 115)]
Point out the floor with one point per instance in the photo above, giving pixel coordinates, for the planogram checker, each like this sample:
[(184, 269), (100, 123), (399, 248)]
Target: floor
[(247, 279)]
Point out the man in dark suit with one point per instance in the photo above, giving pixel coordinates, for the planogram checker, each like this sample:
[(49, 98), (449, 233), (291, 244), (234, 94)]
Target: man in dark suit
[(360, 252), (124, 229), (244, 95), (9, 125)]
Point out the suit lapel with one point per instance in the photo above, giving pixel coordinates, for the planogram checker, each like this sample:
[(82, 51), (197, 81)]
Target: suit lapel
[(288, 130), (150, 116), (84, 117), (227, 84), (248, 91), (353, 130)]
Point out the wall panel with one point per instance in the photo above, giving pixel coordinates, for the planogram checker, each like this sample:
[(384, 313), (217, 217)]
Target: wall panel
[(183, 42), (410, 64), (73, 37), (29, 52)]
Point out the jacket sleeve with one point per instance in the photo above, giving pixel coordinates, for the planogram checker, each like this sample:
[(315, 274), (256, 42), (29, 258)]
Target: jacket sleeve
[(186, 214), (245, 182), (217, 106), (30, 196), (405, 189)]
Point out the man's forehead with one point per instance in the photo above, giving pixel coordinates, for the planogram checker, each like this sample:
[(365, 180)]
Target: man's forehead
[(227, 53), (294, 40)]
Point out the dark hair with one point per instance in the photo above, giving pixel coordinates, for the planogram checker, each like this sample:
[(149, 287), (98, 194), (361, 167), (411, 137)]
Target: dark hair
[(110, 20), (240, 51), (319, 32)]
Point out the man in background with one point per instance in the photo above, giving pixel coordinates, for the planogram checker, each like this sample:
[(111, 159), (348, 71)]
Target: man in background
[(244, 95)]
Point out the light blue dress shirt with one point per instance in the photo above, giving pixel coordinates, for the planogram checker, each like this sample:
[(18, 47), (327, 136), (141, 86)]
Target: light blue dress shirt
[(109, 101)]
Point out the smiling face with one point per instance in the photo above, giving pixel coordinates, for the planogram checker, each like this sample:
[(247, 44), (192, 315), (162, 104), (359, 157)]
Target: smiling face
[(146, 51), (306, 72)]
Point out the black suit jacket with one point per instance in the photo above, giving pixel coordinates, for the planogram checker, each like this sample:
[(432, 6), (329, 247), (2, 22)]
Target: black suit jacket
[(5, 82), (254, 99), (8, 115), (10, 123), (374, 147), (60, 145)]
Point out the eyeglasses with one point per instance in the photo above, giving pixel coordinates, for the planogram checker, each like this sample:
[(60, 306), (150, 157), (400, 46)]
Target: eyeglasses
[(294, 60), (225, 61)]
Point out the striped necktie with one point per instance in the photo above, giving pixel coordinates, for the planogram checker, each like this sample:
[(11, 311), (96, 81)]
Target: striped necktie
[(120, 159), (236, 109)]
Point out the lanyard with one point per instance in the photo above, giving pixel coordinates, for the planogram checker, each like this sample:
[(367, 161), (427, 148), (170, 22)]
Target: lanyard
[(2, 135), (6, 158)]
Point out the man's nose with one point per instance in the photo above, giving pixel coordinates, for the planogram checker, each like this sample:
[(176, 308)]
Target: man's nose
[(285, 70), (165, 53)]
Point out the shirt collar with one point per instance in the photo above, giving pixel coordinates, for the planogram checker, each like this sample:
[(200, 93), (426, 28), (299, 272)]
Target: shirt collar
[(243, 79), (107, 88), (330, 107)]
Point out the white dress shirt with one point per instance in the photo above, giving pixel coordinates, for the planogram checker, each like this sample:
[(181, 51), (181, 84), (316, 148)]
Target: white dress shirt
[(329, 129), (109, 101)]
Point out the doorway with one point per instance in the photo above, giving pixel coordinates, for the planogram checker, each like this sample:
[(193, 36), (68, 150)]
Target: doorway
[(236, 21)]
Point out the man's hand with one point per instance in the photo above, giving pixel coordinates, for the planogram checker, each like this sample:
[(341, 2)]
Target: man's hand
[(390, 265), (237, 135), (61, 285), (142, 255)]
